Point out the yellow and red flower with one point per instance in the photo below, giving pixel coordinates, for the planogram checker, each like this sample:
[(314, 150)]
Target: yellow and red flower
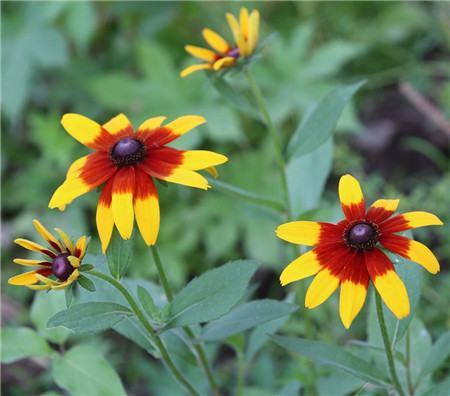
[(223, 55), (349, 253), (60, 266), (126, 162)]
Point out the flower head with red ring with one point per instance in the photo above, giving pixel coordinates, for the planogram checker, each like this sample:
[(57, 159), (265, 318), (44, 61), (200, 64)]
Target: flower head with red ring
[(61, 263), (349, 254), (126, 162)]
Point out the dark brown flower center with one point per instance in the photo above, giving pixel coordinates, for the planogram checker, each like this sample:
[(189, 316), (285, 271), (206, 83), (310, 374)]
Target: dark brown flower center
[(61, 267), (127, 151), (362, 235), (234, 53)]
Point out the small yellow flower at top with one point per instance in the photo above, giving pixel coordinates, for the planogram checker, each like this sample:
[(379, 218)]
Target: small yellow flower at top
[(223, 55), (60, 266)]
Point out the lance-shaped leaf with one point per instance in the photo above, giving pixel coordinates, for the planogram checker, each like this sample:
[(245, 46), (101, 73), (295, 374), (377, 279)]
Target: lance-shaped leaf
[(90, 317), (119, 255), (212, 294), (318, 125), (246, 316), (332, 355)]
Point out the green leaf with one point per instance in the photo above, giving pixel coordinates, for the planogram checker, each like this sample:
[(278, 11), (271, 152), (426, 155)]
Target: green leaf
[(85, 267), (310, 170), (245, 195), (86, 283), (332, 355), (237, 99), (317, 127), (119, 255), (147, 302), (22, 342), (212, 294), (84, 371), (437, 355), (90, 317), (246, 316), (44, 306), (439, 389)]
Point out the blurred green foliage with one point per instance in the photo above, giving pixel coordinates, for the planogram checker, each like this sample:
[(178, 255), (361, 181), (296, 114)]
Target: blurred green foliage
[(103, 58)]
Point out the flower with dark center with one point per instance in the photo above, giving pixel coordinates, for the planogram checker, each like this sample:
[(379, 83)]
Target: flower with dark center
[(126, 162), (128, 151), (59, 267), (349, 254), (223, 55)]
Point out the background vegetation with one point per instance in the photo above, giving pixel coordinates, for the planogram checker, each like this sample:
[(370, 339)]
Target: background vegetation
[(100, 59)]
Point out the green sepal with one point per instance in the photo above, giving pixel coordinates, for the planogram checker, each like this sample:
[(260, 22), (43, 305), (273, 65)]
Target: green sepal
[(86, 283), (85, 267)]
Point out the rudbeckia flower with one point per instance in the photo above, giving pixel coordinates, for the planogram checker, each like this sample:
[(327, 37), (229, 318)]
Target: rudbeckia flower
[(223, 55), (60, 266), (126, 162), (350, 253)]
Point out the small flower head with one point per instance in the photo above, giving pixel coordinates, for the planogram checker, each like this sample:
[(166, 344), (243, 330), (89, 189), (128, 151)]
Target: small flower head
[(60, 264), (126, 162), (349, 254), (224, 55)]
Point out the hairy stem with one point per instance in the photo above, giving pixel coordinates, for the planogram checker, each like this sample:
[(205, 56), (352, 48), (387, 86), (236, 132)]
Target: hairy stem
[(387, 346), (200, 353), (155, 338)]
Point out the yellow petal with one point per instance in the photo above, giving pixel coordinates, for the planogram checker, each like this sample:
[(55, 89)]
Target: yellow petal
[(184, 124), (187, 177), (80, 247), (216, 41), (46, 281), (76, 167), (351, 197), (105, 224), (393, 292), (82, 128), (322, 287), (389, 205), (48, 236), (302, 267), (151, 123), (74, 261), (72, 188), (253, 31), (122, 201), (38, 287), (422, 255), (27, 278), (201, 53), (146, 210), (66, 240), (30, 245), (30, 263), (352, 298), (300, 232), (118, 124), (243, 20), (234, 26), (72, 278), (193, 68), (226, 61), (202, 159), (212, 171), (421, 219)]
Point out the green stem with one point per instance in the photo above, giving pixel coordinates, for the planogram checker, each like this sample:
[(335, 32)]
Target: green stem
[(387, 346), (155, 338), (275, 139), (198, 348), (408, 364)]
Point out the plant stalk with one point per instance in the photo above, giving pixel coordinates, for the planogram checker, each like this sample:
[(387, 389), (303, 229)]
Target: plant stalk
[(275, 139), (155, 338), (387, 346), (198, 347)]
